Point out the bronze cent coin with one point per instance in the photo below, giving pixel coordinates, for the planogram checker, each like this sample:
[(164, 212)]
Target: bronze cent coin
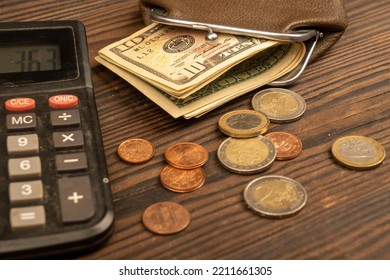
[(275, 196), (186, 155), (358, 152), (166, 218), (287, 145), (243, 123), (182, 180), (279, 104), (136, 150)]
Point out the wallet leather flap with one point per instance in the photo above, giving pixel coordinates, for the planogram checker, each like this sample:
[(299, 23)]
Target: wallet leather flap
[(326, 16)]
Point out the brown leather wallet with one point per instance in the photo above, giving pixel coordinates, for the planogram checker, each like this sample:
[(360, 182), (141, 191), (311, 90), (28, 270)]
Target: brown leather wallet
[(283, 16)]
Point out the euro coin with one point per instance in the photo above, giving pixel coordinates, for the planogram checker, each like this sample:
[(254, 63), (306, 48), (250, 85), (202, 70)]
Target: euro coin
[(166, 218), (358, 152), (246, 156), (182, 180), (279, 104), (243, 123), (275, 196), (287, 145), (186, 155), (136, 151)]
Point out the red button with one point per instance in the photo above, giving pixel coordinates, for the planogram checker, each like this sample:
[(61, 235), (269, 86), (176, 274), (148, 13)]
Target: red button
[(20, 104), (63, 101)]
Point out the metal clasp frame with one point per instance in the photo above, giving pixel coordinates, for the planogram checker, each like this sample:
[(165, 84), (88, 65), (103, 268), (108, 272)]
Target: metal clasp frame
[(310, 37)]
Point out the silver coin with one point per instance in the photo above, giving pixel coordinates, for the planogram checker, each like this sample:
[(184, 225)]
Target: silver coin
[(275, 196), (246, 156), (279, 104)]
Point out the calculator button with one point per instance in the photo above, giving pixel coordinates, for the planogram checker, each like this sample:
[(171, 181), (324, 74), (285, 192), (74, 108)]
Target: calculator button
[(65, 118), (21, 121), (20, 104), (76, 201), (71, 162), (63, 101), (68, 139), (31, 191), (19, 168), (27, 217), (22, 144)]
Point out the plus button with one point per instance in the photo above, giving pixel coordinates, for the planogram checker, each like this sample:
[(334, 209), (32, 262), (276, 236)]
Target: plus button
[(75, 197)]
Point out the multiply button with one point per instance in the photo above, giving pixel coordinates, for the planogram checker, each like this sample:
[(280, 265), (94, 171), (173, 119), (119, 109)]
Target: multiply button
[(65, 118), (76, 201), (68, 139)]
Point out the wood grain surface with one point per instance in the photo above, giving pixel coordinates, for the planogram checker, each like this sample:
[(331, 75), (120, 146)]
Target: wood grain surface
[(347, 215)]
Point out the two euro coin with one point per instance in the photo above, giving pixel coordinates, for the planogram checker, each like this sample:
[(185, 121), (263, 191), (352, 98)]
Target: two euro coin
[(275, 196), (246, 156), (279, 104)]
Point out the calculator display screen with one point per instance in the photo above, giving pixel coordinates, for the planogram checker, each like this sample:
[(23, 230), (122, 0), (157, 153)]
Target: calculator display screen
[(38, 55), (30, 58)]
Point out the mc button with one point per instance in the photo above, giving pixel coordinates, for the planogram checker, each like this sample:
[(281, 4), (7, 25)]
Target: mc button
[(21, 121)]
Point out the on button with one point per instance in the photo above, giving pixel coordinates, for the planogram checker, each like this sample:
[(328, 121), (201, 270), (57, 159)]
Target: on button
[(63, 101)]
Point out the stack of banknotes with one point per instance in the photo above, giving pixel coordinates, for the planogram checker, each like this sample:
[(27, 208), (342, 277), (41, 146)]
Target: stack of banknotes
[(187, 75)]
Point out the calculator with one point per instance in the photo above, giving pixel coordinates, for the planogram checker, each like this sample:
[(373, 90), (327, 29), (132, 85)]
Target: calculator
[(55, 195)]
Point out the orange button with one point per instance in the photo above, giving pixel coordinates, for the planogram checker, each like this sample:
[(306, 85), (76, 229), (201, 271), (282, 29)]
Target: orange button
[(63, 101), (20, 104)]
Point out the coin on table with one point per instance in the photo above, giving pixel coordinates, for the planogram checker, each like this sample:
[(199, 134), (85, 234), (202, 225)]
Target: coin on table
[(279, 104), (275, 196), (287, 145), (358, 152), (166, 218), (246, 156), (243, 123), (136, 150), (186, 155), (182, 180)]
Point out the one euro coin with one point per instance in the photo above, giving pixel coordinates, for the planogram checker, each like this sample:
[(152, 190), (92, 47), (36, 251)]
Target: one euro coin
[(358, 152)]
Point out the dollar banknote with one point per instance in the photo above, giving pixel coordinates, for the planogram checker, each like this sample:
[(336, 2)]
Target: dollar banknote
[(180, 61), (252, 73)]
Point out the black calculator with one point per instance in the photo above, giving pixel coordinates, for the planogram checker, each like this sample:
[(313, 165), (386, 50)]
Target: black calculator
[(55, 195)]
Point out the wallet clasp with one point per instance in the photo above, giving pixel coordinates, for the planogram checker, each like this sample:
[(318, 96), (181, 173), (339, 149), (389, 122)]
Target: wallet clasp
[(310, 37)]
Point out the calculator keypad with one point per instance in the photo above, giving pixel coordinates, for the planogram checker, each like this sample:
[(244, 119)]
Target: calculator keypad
[(64, 142)]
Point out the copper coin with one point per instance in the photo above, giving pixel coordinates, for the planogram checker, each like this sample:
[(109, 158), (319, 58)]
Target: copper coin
[(136, 151), (288, 146), (166, 218), (186, 155), (182, 180)]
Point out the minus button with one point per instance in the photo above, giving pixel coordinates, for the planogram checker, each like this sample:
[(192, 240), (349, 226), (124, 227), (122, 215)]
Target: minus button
[(71, 162)]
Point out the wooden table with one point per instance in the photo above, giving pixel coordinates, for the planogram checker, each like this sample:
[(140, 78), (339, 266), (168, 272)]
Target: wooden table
[(347, 215)]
